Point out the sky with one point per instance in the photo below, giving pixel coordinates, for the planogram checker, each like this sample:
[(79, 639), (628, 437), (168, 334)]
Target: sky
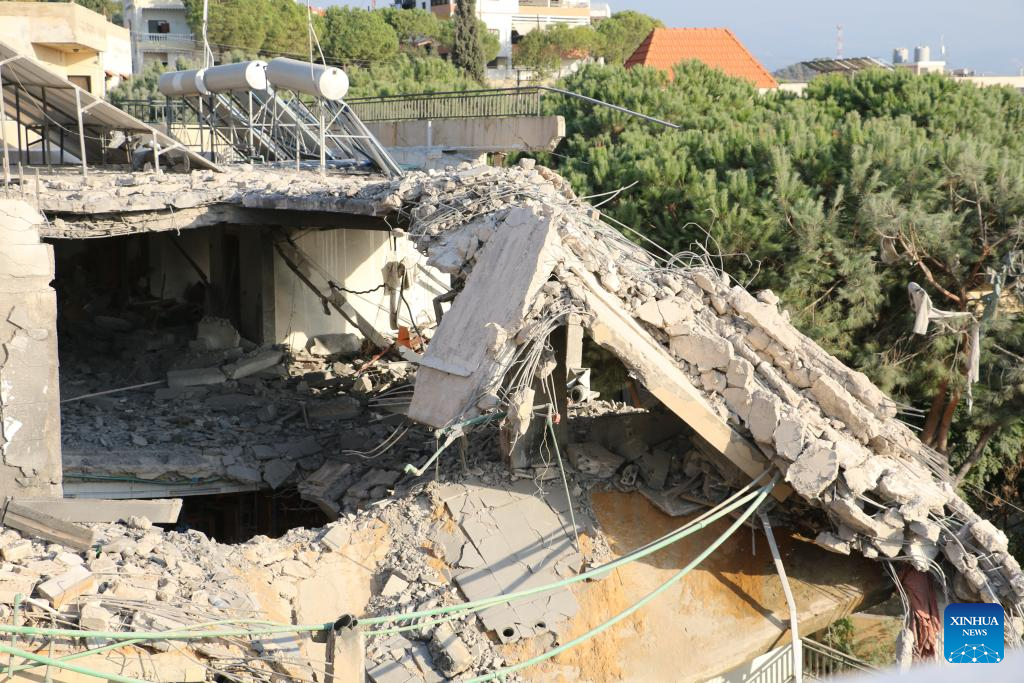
[(985, 35)]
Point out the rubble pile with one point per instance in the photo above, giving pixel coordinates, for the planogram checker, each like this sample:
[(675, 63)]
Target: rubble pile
[(412, 551), (827, 428), (242, 186), (526, 256), (230, 411)]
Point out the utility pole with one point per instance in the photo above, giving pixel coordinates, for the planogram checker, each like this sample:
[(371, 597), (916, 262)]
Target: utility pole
[(207, 53), (839, 41)]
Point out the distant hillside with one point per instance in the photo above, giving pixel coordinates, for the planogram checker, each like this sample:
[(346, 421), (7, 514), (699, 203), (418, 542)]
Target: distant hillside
[(794, 73)]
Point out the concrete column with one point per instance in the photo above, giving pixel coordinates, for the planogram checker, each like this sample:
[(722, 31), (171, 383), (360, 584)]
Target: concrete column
[(256, 280), (29, 390)]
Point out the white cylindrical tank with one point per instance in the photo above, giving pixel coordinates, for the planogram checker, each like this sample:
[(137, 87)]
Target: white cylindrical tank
[(328, 82), (900, 55), (922, 53), (182, 83), (233, 77)]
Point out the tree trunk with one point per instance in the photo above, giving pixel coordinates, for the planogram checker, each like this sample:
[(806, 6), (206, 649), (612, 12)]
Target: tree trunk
[(942, 434), (976, 452), (931, 423)]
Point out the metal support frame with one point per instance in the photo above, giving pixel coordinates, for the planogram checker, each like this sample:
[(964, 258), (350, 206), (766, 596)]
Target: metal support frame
[(3, 133), (794, 629), (81, 133), (279, 126)]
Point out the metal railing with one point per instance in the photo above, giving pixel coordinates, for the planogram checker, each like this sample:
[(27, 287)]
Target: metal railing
[(818, 663), (555, 3), (156, 111), (821, 661), (474, 104), (450, 105), (166, 38)]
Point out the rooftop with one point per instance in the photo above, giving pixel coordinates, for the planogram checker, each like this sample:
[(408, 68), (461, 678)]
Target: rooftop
[(719, 48)]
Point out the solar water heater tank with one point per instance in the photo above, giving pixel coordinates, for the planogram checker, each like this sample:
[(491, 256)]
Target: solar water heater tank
[(240, 76), (182, 83), (327, 82)]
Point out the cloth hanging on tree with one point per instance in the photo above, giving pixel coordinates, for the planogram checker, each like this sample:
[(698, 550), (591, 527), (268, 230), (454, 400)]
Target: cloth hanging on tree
[(925, 621), (926, 313)]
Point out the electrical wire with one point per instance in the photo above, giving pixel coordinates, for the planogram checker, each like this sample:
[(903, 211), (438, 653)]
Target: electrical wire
[(601, 628)]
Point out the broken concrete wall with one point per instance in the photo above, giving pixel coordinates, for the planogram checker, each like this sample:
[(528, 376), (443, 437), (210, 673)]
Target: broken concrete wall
[(728, 363), (170, 273), (356, 258), (29, 391)]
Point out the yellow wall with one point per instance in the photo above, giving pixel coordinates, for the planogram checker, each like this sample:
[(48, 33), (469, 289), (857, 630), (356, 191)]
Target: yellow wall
[(69, 38)]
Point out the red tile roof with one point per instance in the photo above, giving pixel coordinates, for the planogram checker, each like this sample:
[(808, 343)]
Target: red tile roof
[(716, 47)]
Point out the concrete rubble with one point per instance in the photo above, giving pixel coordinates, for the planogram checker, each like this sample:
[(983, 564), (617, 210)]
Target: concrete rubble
[(752, 393), (831, 433), (103, 196), (413, 550), (230, 412)]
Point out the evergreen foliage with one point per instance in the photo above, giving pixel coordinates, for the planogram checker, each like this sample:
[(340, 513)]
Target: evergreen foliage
[(613, 39), (412, 24), (622, 33), (467, 51), (407, 74), (796, 194), (112, 10), (353, 36), (543, 50), (231, 23)]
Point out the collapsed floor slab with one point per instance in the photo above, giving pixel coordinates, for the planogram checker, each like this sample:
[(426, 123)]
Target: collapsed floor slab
[(860, 476), (753, 379)]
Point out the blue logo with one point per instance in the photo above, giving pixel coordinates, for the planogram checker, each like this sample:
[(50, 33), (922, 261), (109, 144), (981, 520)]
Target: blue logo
[(973, 633)]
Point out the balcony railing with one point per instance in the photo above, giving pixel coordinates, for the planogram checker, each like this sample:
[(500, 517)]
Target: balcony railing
[(554, 3), (166, 38), (450, 105)]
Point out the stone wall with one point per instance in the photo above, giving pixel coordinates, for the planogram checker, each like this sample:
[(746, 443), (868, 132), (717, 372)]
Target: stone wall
[(29, 390)]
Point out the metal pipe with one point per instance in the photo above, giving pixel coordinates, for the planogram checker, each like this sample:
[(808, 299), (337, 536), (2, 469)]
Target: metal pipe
[(569, 93), (81, 132), (798, 673), (3, 133)]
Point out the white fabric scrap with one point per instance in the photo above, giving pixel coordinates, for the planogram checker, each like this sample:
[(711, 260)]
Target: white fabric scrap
[(926, 314)]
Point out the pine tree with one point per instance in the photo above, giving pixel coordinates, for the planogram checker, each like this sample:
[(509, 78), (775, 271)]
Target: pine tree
[(467, 53), (797, 194)]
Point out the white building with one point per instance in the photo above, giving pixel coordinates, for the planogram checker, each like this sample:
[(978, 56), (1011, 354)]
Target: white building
[(511, 19), (160, 32), (923, 62)]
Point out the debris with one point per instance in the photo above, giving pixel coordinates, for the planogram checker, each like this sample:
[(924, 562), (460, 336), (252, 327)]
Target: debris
[(594, 460), (194, 377), (395, 585), (335, 345), (213, 334), (33, 522), (94, 618), (64, 588), (250, 365)]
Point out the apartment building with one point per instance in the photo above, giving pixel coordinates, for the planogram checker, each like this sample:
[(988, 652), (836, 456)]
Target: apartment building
[(77, 43), (509, 20), (160, 32)]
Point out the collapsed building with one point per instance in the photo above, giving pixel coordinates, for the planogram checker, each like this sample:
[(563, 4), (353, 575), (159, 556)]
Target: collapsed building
[(281, 348)]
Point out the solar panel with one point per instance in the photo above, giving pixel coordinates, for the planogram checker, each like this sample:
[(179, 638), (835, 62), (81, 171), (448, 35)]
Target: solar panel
[(845, 65), (48, 105)]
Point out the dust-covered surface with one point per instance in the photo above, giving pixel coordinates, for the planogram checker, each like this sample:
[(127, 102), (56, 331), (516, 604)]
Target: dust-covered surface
[(859, 477), (826, 428)]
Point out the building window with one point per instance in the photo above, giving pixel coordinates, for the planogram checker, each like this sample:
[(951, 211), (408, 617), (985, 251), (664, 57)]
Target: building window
[(159, 26), (83, 82)]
